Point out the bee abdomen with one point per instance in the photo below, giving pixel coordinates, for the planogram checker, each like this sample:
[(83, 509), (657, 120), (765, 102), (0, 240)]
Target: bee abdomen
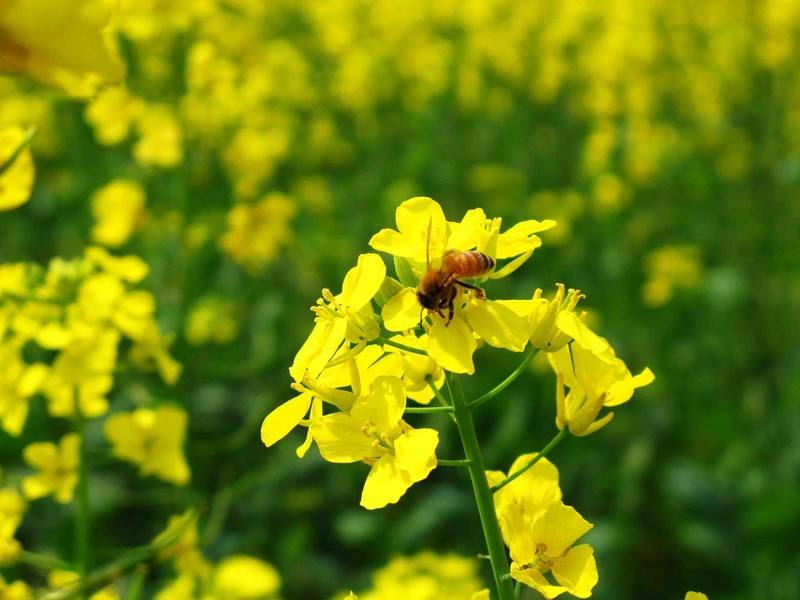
[(469, 264)]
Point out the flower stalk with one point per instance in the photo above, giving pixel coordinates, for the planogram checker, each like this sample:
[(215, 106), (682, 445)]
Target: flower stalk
[(83, 506), (483, 496)]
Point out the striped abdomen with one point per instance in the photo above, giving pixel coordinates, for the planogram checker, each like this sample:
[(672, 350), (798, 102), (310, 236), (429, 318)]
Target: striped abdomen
[(466, 264)]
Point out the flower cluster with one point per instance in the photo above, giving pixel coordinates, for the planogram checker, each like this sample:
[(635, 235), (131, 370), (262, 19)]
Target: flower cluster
[(236, 577), (382, 340)]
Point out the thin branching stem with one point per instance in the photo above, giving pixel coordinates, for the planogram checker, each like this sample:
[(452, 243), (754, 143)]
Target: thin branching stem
[(542, 453), (388, 342), (529, 354)]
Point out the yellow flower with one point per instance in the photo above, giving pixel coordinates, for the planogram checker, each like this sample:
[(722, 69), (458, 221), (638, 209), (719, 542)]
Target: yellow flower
[(550, 322), (182, 547), (695, 596), (595, 380), (58, 468), (540, 530), (423, 238), (545, 545), (257, 232), (151, 350), (82, 372), (18, 383), (212, 320), (416, 368), (426, 576), (112, 112), (65, 44), (127, 268), (344, 318), (669, 268), (118, 208), (16, 590), (424, 233), (16, 166), (241, 577), (375, 433), (12, 508), (152, 439), (358, 372), (160, 139)]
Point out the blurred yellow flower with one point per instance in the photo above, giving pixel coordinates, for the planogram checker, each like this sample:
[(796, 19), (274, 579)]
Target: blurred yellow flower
[(112, 113), (16, 166), (18, 383), (160, 141), (58, 468), (118, 209), (241, 577), (212, 320), (374, 432), (695, 596), (669, 268), (152, 439), (12, 508), (426, 576), (257, 232), (16, 590), (65, 44)]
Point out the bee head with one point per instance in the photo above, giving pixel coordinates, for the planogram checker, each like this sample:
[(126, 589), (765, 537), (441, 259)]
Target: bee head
[(426, 300)]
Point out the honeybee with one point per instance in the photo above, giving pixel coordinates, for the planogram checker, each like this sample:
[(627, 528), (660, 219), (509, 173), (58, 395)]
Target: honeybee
[(437, 289)]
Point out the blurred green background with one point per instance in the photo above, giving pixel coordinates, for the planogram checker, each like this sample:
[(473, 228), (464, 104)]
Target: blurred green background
[(664, 137)]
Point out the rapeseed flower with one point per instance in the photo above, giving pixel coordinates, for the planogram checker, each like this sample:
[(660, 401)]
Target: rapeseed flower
[(16, 590), (594, 380), (540, 530), (153, 440), (57, 466), (59, 579), (422, 239), (257, 232), (118, 209), (12, 509), (374, 432), (19, 382), (425, 576)]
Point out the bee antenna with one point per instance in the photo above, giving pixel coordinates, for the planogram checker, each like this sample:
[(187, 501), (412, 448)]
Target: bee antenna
[(421, 308)]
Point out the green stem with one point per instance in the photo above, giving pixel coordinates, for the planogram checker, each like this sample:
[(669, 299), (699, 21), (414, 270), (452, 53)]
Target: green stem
[(82, 508), (483, 496), (43, 561), (423, 410), (389, 342), (529, 354), (542, 453), (134, 589), (446, 462)]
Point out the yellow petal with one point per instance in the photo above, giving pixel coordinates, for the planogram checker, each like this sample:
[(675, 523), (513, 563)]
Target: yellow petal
[(415, 452), (558, 527), (577, 571), (284, 418), (363, 281), (520, 238), (245, 578), (315, 353), (466, 234), (452, 345), (695, 596), (16, 178), (500, 326), (395, 243), (340, 439), (385, 484), (402, 311), (40, 454), (316, 413), (385, 404), (571, 324), (510, 266), (534, 579)]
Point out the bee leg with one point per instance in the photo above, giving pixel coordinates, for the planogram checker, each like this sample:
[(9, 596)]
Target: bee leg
[(451, 306), (478, 291)]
